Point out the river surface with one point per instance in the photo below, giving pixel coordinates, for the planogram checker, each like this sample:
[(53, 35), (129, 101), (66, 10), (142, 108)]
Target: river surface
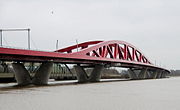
[(159, 94)]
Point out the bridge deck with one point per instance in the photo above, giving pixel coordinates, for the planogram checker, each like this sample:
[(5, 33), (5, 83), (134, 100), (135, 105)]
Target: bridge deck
[(10, 54)]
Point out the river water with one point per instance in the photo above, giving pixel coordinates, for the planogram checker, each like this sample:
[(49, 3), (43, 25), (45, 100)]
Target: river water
[(159, 94)]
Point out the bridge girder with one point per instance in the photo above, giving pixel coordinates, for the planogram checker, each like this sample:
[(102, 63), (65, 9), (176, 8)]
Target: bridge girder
[(113, 53)]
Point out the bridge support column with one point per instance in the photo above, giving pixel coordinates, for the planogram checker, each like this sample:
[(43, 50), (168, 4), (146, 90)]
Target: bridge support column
[(21, 74), (155, 73), (23, 77), (132, 74), (151, 74), (94, 76), (81, 74), (42, 75), (96, 73), (159, 74), (143, 74), (163, 75)]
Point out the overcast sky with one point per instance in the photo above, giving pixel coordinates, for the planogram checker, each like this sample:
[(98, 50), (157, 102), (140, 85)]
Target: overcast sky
[(153, 26)]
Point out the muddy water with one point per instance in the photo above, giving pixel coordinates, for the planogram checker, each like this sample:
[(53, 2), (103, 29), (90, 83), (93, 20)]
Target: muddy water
[(160, 94)]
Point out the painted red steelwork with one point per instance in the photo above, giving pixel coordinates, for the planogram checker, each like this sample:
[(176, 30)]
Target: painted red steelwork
[(118, 50), (89, 52)]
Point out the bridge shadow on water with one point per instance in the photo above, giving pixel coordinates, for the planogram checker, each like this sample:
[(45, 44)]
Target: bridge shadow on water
[(11, 87)]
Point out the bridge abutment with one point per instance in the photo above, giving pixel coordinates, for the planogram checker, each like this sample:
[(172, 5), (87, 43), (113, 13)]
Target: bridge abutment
[(21, 74)]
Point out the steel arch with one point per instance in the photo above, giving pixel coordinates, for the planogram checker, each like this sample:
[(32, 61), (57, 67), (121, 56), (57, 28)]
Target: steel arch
[(109, 50)]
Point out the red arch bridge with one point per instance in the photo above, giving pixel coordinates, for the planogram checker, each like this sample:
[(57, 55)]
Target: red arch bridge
[(94, 54)]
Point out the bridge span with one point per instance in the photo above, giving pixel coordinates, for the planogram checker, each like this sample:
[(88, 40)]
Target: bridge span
[(94, 54)]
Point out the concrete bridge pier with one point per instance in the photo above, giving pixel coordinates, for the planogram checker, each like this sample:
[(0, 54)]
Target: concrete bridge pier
[(21, 74), (132, 74), (143, 73), (96, 73), (42, 75), (159, 74), (149, 75), (163, 75), (155, 74), (94, 76), (82, 77)]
